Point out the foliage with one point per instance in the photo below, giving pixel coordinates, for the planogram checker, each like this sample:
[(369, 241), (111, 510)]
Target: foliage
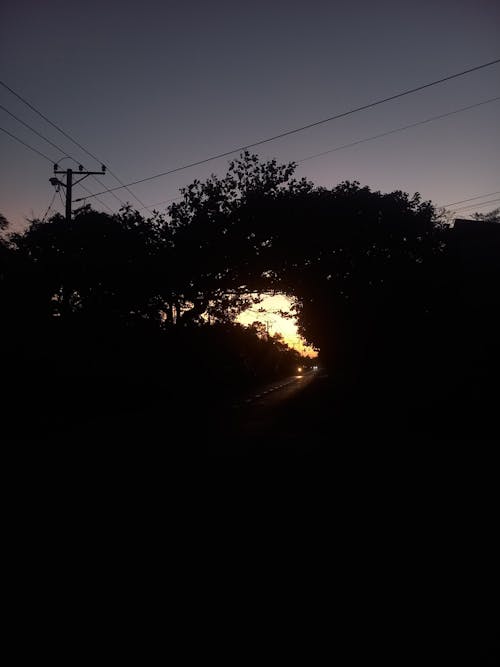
[(220, 235), (99, 266), (365, 256), (491, 216), (4, 223)]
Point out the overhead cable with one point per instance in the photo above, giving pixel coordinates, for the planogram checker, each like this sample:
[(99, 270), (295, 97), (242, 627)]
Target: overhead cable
[(309, 125), (33, 108), (399, 129), (35, 150), (61, 150), (484, 203), (378, 136), (49, 206), (462, 201)]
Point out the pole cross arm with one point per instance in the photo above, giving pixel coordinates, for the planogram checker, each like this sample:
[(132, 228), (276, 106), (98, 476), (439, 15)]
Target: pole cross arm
[(69, 183), (87, 173)]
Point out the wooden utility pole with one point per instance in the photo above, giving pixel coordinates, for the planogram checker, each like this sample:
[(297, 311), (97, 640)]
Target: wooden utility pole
[(69, 183)]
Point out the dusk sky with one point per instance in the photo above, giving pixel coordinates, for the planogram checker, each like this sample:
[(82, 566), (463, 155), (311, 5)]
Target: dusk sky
[(152, 86)]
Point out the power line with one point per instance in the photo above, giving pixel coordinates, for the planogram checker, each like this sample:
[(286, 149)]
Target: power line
[(52, 161), (122, 203), (305, 127), (49, 206), (98, 198), (61, 150), (73, 140), (462, 201), (159, 203), (19, 120), (62, 200), (35, 150), (484, 203), (383, 134), (399, 129)]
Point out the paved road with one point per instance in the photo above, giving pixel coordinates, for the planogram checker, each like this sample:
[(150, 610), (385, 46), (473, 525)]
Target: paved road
[(282, 417)]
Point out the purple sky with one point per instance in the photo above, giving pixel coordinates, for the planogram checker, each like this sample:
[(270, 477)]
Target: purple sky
[(149, 86)]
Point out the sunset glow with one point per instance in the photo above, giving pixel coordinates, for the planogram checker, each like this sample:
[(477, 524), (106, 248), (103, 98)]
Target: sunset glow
[(266, 313)]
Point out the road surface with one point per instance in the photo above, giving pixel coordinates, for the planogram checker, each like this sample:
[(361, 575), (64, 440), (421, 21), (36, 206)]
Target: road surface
[(279, 417)]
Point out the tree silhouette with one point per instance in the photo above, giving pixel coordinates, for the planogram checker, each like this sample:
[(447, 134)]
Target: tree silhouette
[(491, 216), (97, 267), (389, 295), (221, 237), (362, 269), (362, 264), (4, 223), (472, 253)]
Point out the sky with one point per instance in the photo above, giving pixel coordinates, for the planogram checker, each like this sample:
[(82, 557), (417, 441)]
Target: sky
[(269, 312), (151, 86)]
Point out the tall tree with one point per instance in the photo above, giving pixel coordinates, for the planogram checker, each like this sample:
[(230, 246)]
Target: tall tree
[(221, 237)]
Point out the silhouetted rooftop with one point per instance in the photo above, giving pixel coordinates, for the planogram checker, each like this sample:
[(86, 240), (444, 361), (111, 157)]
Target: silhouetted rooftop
[(467, 223)]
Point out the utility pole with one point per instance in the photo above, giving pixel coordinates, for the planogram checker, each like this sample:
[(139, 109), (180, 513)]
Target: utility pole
[(69, 183)]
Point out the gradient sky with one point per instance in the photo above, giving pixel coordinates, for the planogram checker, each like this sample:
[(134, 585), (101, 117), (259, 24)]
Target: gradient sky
[(150, 86)]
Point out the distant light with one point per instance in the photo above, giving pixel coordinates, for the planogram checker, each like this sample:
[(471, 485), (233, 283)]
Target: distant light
[(299, 369), (315, 368)]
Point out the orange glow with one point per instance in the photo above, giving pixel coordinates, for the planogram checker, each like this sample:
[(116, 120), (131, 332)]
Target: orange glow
[(275, 323)]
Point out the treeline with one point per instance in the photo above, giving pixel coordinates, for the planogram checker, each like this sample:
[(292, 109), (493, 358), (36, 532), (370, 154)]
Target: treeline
[(402, 306)]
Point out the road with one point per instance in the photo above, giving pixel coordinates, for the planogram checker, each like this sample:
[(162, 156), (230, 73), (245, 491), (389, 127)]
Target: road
[(278, 418)]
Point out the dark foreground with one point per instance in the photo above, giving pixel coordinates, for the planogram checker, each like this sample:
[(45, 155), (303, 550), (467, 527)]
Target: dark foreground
[(387, 511), (315, 416)]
